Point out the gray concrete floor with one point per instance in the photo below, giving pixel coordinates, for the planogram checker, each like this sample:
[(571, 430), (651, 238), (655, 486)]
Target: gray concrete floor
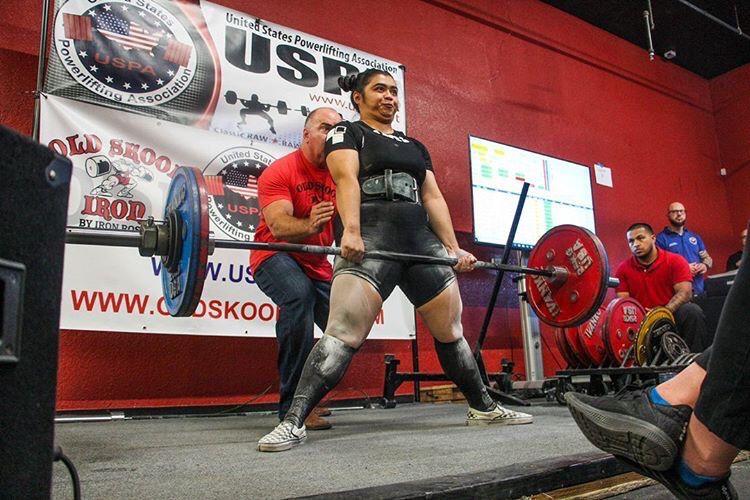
[(217, 457)]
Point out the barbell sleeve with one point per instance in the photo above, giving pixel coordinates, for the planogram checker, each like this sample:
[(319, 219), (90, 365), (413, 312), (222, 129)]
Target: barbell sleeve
[(104, 239)]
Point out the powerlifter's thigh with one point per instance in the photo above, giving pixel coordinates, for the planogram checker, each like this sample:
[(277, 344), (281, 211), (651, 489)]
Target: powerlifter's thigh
[(383, 275), (422, 283), (354, 305), (442, 314)]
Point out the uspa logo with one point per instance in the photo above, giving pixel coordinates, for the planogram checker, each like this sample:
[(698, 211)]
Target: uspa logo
[(232, 180), (129, 51)]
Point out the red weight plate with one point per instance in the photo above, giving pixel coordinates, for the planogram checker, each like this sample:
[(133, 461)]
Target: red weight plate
[(562, 346), (592, 340), (186, 206), (575, 345), (624, 317), (572, 301)]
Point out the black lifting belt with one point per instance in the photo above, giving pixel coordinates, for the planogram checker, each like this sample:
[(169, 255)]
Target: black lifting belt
[(391, 186)]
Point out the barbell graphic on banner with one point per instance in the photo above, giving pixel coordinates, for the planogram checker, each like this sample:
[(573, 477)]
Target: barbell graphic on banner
[(565, 289), (230, 96)]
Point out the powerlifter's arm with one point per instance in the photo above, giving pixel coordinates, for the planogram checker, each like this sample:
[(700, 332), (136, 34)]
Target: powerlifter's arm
[(440, 220), (344, 167)]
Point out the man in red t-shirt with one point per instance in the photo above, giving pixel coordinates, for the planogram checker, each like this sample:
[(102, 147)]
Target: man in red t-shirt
[(655, 277), (297, 199)]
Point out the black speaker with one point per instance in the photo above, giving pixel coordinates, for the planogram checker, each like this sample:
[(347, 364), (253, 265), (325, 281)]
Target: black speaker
[(34, 185)]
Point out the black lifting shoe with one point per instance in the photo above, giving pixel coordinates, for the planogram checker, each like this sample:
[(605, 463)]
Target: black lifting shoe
[(629, 425), (719, 490)]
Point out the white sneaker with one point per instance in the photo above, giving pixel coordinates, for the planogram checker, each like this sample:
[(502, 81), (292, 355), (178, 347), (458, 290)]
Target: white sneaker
[(283, 437), (498, 415)]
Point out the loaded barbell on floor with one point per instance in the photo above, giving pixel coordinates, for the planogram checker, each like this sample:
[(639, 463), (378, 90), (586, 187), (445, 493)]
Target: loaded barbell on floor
[(566, 280)]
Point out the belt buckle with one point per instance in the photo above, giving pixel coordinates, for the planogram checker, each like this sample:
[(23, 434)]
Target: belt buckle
[(388, 184), (415, 190)]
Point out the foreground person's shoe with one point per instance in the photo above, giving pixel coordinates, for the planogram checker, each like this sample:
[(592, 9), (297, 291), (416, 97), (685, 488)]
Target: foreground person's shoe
[(719, 490), (283, 437), (498, 415), (630, 425)]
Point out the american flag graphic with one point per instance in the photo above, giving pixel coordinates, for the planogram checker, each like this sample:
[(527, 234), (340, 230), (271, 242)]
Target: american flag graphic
[(242, 183), (130, 35), (215, 185), (178, 53), (77, 27)]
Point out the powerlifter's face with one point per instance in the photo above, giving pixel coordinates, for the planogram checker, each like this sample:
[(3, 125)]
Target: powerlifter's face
[(380, 99), (641, 242)]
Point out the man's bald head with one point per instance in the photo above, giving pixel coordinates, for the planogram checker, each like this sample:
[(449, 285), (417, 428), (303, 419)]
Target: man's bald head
[(317, 111), (677, 214), (317, 125)]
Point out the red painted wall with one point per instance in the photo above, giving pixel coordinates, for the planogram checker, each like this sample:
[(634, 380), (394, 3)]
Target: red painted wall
[(515, 71), (731, 98)]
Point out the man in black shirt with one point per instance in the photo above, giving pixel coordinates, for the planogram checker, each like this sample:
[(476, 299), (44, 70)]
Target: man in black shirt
[(734, 260)]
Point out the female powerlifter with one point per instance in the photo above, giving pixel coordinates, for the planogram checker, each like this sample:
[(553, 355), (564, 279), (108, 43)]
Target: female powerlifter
[(388, 199)]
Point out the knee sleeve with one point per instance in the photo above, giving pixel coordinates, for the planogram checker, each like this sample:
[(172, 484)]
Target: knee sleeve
[(324, 368), (459, 364)]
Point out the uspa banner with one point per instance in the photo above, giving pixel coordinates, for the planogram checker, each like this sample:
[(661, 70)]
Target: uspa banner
[(203, 65), (122, 166)]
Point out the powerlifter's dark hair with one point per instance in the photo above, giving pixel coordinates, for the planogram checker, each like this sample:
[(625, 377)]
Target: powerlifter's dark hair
[(645, 226), (358, 82)]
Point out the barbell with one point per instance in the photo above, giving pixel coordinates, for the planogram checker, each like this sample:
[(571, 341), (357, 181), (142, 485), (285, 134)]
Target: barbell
[(566, 280)]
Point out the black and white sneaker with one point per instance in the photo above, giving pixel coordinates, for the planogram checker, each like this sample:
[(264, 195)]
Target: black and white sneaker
[(629, 425), (719, 490), (285, 436), (498, 415)]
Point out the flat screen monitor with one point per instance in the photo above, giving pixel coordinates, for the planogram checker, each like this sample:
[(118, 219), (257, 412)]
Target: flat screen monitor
[(559, 193)]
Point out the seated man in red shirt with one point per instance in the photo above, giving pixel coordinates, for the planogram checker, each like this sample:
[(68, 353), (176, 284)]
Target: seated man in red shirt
[(655, 277), (297, 201)]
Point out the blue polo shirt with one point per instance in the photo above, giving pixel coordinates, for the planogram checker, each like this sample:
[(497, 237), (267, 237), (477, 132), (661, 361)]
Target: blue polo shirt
[(688, 244)]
